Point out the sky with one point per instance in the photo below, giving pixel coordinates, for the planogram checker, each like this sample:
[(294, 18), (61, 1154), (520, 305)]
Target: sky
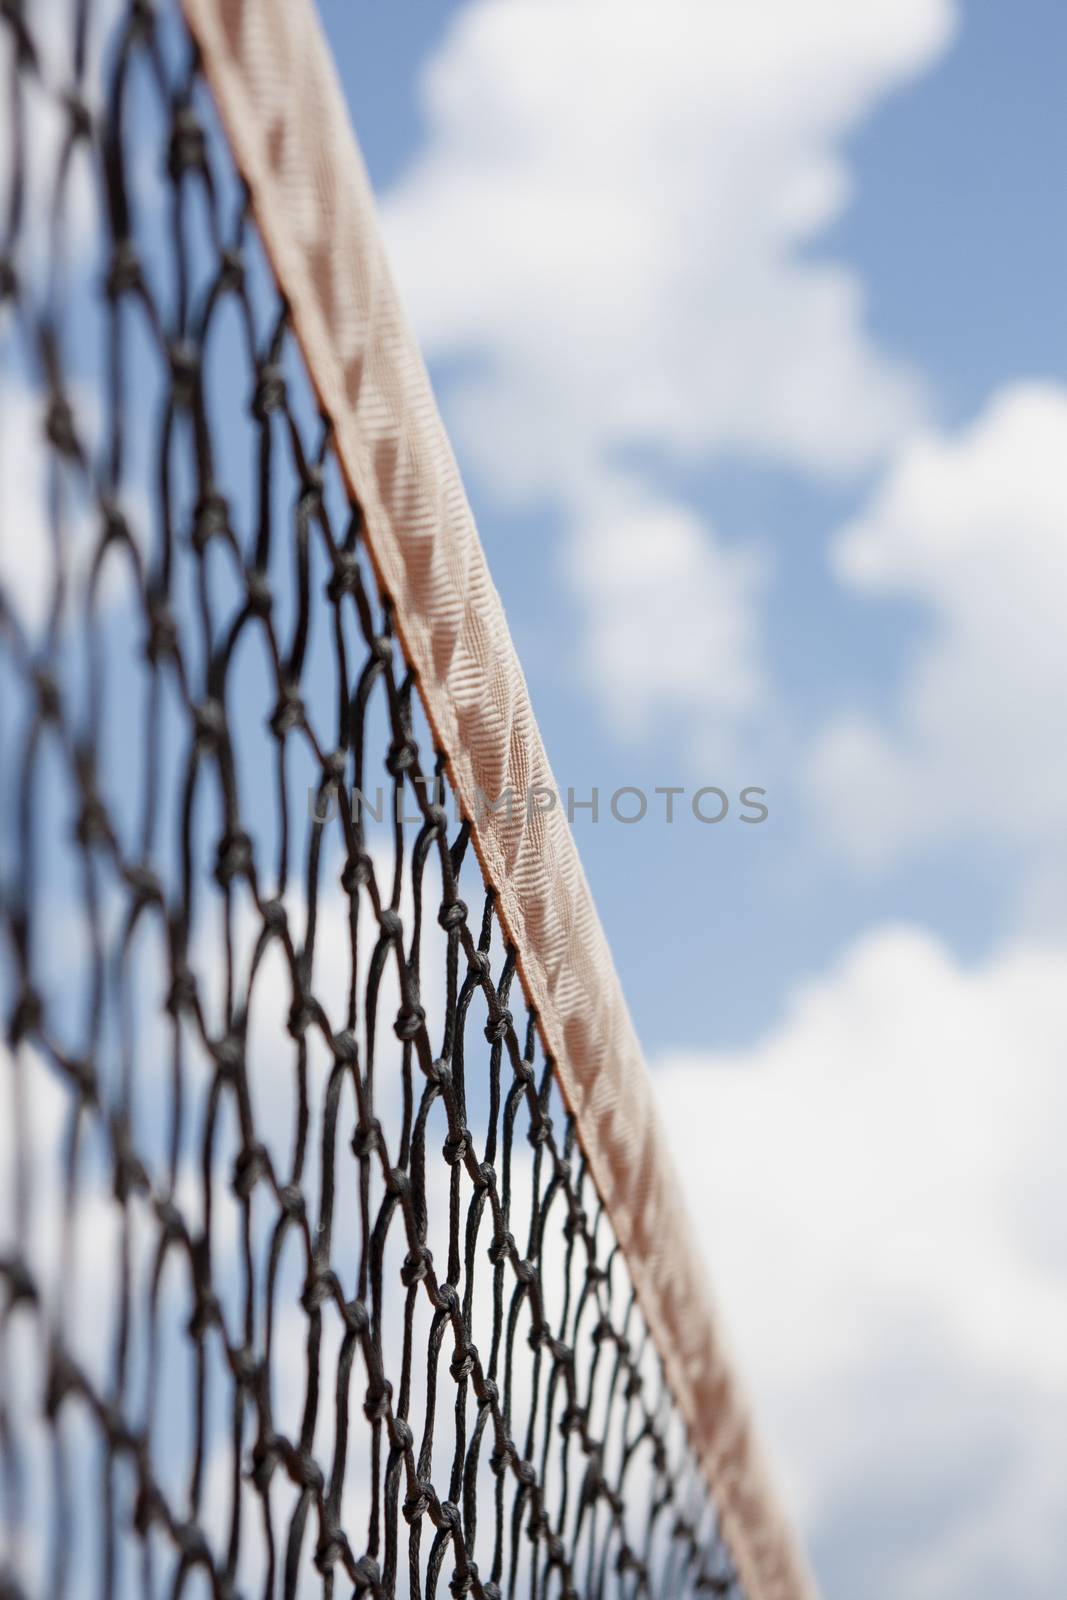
[(747, 325)]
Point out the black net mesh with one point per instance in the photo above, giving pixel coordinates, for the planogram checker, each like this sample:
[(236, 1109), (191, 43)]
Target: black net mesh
[(306, 1289)]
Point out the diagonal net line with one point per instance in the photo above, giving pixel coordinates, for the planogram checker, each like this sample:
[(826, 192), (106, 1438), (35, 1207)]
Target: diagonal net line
[(174, 1228)]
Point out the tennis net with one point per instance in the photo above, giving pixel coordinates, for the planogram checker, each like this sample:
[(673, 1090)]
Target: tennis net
[(318, 1272)]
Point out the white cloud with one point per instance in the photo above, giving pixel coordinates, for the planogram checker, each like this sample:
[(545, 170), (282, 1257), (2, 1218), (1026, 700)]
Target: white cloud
[(879, 1183), (971, 527), (671, 611), (609, 215)]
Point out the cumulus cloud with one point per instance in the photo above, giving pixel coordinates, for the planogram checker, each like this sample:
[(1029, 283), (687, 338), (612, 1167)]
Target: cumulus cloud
[(969, 526), (671, 610), (879, 1185), (610, 220)]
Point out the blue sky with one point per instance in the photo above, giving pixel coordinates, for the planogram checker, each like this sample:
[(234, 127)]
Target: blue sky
[(747, 324), (850, 976)]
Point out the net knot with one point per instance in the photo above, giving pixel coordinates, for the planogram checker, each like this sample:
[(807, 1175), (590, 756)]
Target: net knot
[(270, 391), (181, 996), (245, 1367), (485, 1176), (292, 1202), (356, 873), (148, 1508), (524, 1471), (536, 1526), (496, 1031), (401, 757), (367, 1138), (366, 1577), (305, 1471), (525, 1271), (540, 1131), (479, 965), (400, 1435), (557, 1553), (397, 1183), (92, 825), (63, 1379), (501, 1248), (191, 1541), (575, 1224), (80, 118), (210, 520), (252, 1163), (417, 1503), (334, 767), (116, 528), (129, 1176), (26, 1017), (329, 1550), (319, 1288), (376, 1404), (257, 587), (209, 720), (188, 147), (48, 699), (439, 1073), (436, 821), (9, 283), (274, 916), (233, 858), (170, 1220), (142, 880), (453, 915), (59, 428), (162, 631), (124, 272), (447, 1299), (356, 1316), (445, 1516), (266, 1454), (344, 1049), (490, 1395), (462, 1583), (300, 1016), (345, 576), (573, 1420), (83, 1075), (21, 1288), (390, 925), (463, 1362), (524, 1073), (416, 1264), (184, 371), (232, 270), (457, 1147), (207, 1314), (228, 1056), (409, 1024), (287, 714)]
